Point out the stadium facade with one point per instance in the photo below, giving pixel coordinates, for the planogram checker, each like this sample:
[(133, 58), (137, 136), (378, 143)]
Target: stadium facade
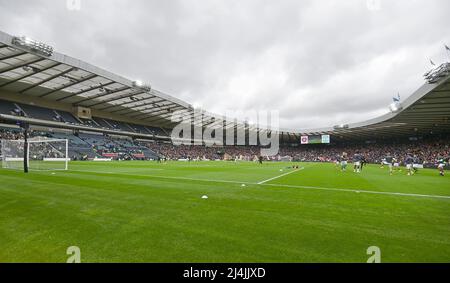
[(50, 90)]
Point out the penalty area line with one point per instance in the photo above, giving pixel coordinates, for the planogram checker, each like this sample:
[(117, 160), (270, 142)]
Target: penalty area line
[(279, 176)]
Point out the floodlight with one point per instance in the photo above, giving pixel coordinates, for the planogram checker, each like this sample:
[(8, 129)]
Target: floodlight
[(141, 85), (138, 83), (33, 45), (341, 126), (197, 105), (395, 107)]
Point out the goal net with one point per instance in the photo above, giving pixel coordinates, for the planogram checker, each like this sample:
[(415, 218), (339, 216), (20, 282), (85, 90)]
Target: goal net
[(43, 154)]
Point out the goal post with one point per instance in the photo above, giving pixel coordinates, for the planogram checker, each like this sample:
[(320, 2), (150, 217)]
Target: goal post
[(13, 154), (39, 154)]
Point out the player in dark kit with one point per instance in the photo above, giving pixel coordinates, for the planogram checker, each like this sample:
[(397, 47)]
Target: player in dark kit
[(409, 162), (344, 160), (363, 161), (338, 161), (357, 163), (416, 161)]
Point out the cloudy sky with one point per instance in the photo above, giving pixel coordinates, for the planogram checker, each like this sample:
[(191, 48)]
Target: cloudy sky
[(319, 62)]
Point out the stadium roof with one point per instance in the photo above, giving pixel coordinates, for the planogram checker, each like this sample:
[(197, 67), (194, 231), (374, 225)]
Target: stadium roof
[(65, 79), (426, 111), (32, 69)]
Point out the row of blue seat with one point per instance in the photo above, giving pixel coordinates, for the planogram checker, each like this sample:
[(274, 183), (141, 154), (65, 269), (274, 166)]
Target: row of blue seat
[(32, 111)]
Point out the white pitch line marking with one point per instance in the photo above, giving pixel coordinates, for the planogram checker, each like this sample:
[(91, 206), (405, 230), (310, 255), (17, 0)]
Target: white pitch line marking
[(278, 185), (166, 177), (279, 176), (359, 191)]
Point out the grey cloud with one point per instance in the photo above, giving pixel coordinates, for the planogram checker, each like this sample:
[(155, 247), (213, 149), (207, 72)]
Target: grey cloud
[(318, 62)]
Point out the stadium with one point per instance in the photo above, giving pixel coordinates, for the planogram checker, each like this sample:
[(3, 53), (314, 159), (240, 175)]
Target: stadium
[(89, 161)]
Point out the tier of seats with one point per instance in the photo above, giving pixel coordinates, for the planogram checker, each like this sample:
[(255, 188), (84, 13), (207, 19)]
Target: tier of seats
[(32, 111)]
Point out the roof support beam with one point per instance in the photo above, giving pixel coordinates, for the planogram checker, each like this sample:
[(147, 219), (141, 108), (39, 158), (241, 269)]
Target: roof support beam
[(102, 95), (132, 109), (165, 117), (147, 116), (68, 85), (29, 75), (159, 113), (21, 65), (184, 114), (126, 103), (118, 98), (86, 90), (13, 56), (151, 115), (164, 122), (47, 80), (158, 109), (135, 106)]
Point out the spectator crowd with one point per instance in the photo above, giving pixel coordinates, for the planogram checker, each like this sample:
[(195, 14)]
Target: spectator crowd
[(427, 151)]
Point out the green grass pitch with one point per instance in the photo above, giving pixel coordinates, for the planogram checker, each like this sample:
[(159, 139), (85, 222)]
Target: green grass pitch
[(149, 212)]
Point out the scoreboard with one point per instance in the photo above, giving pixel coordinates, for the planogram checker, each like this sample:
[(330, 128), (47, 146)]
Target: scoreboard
[(316, 139)]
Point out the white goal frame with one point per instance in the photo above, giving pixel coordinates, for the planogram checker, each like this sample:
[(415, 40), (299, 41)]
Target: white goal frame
[(19, 158)]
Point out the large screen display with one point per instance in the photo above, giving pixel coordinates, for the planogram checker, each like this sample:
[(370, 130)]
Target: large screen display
[(316, 139)]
